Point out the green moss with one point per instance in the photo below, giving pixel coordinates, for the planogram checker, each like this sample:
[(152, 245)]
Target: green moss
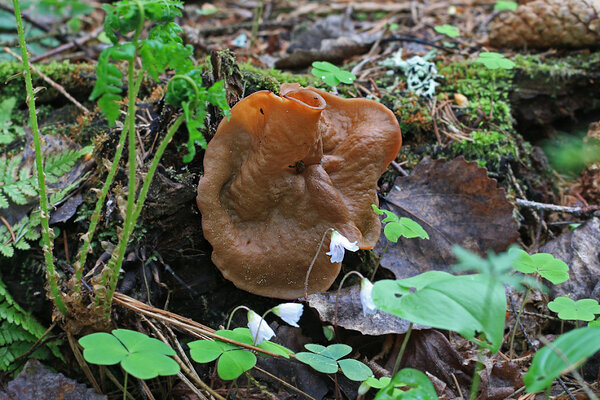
[(488, 148), (75, 78), (270, 79), (413, 116)]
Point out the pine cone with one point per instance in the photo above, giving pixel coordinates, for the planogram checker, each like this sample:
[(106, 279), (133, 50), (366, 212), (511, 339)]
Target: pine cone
[(549, 23)]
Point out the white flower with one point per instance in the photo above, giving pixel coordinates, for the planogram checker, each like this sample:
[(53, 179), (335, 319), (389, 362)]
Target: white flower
[(289, 312), (337, 245), (366, 287), (259, 328)]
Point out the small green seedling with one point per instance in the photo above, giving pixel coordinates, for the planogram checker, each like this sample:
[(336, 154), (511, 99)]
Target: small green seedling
[(327, 360), (448, 30), (331, 74), (544, 264), (232, 360), (503, 5), (493, 60), (408, 384), (373, 382), (396, 227), (561, 356), (596, 322), (580, 310)]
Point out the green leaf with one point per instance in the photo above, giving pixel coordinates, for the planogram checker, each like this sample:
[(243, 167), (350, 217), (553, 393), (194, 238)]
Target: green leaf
[(447, 30), (472, 303), (331, 74), (233, 363), (147, 365), (420, 387), (494, 60), (275, 348), (544, 264), (378, 383), (315, 348), (574, 347), (320, 363), (503, 5), (336, 351), (325, 66), (141, 356), (204, 351), (102, 348), (568, 309), (595, 322), (355, 370)]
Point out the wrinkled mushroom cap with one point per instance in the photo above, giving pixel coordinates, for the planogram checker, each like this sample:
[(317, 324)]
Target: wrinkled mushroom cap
[(281, 172)]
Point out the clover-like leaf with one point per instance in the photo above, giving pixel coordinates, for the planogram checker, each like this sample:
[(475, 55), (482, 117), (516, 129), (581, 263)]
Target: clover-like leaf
[(355, 370), (569, 309), (493, 60), (544, 264), (503, 5), (448, 30), (472, 303), (418, 384), (320, 363), (561, 356), (233, 363), (397, 227), (327, 360), (331, 74), (140, 355)]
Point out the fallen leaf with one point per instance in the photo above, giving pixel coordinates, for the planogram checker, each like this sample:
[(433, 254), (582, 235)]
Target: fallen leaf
[(350, 314), (457, 204), (580, 249)]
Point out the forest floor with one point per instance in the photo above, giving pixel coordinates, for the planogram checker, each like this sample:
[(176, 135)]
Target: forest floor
[(500, 124)]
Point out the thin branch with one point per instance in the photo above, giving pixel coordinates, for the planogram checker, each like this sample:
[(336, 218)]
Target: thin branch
[(50, 82), (591, 211)]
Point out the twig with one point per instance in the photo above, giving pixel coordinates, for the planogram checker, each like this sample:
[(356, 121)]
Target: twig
[(67, 46), (591, 211), (12, 234), (192, 327), (50, 82)]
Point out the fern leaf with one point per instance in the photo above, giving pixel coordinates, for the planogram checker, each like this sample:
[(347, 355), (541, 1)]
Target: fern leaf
[(15, 194), (3, 165), (3, 200), (7, 250), (11, 169)]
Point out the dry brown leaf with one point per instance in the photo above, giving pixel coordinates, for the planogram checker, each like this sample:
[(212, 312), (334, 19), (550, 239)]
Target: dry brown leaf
[(457, 204), (580, 249)]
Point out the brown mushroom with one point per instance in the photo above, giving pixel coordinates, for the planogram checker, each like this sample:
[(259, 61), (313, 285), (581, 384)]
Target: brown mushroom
[(281, 172)]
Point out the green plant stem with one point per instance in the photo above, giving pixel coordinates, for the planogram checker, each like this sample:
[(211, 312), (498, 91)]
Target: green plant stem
[(37, 143), (128, 229), (125, 386), (114, 264), (512, 336), (476, 376), (379, 260), (402, 348), (337, 295), (233, 312)]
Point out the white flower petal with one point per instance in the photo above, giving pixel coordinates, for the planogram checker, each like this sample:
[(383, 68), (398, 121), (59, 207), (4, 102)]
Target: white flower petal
[(337, 245), (259, 328), (289, 312), (366, 287)]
